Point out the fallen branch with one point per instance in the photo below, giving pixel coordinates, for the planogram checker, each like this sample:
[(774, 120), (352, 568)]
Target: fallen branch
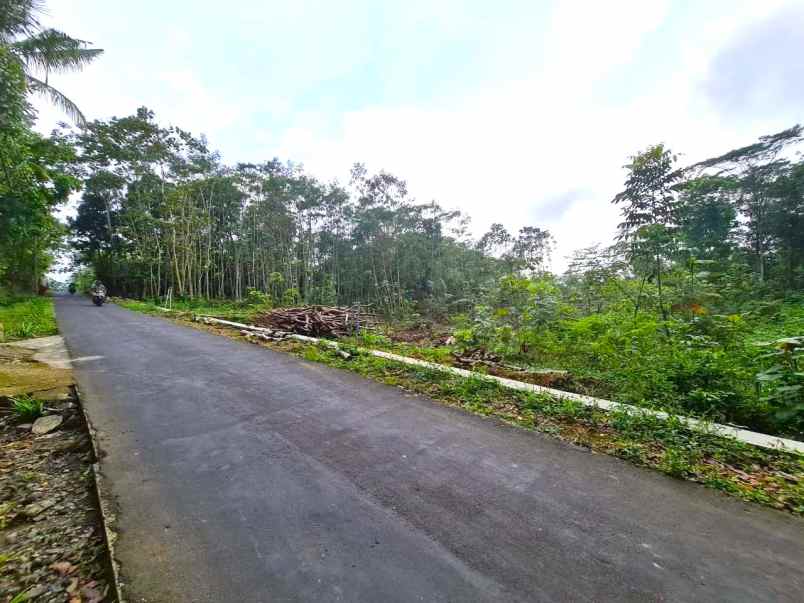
[(317, 321)]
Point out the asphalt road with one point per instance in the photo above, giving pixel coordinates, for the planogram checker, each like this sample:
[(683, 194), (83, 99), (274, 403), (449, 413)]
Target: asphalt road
[(244, 475)]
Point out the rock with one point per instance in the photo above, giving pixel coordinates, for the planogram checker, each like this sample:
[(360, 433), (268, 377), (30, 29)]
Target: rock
[(11, 538), (36, 508), (71, 421), (62, 567), (76, 444), (25, 426), (46, 424)]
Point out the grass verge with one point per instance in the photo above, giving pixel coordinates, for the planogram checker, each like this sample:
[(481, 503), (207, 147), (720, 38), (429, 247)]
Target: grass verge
[(226, 310), (26, 317), (767, 477)]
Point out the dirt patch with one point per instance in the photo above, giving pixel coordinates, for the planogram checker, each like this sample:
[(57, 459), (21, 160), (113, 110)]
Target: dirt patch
[(53, 547), (31, 378), (425, 333), (33, 366)]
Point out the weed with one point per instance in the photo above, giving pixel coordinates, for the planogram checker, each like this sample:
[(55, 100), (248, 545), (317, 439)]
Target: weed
[(677, 462), (5, 510), (26, 408)]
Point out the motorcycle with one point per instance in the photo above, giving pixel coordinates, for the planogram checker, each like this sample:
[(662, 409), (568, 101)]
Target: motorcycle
[(98, 299)]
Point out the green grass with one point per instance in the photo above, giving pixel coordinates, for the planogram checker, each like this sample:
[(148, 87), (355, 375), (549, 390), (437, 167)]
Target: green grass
[(26, 408), (223, 309), (378, 341), (26, 317), (787, 321)]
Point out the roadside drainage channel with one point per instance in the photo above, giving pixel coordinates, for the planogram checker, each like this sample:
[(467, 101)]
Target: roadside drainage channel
[(55, 353), (104, 501), (743, 435)]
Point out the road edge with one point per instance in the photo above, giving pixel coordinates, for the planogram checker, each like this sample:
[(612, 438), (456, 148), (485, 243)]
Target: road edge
[(105, 500)]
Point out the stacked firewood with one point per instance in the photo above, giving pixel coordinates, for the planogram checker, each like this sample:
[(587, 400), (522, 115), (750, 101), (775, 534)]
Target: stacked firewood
[(317, 321)]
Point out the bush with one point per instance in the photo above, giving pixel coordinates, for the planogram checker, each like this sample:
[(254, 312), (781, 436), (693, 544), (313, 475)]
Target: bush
[(255, 297), (699, 363), (781, 384), (291, 297)]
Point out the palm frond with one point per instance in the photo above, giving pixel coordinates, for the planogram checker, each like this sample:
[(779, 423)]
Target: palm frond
[(19, 18), (53, 50), (57, 98)]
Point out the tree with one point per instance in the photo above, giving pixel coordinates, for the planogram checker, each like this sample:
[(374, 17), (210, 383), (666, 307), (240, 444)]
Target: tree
[(40, 52), (786, 223), (161, 214), (35, 176), (531, 249), (707, 216), (756, 167), (591, 273), (648, 206), (496, 240)]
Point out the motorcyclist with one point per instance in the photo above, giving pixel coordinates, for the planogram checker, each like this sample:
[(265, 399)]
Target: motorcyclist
[(98, 289)]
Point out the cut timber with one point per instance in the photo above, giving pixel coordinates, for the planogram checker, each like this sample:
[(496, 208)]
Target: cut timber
[(317, 320)]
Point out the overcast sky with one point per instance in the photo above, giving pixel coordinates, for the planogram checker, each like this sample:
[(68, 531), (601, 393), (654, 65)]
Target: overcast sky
[(514, 112)]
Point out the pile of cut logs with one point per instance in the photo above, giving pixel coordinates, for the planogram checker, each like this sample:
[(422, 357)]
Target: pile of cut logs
[(317, 321)]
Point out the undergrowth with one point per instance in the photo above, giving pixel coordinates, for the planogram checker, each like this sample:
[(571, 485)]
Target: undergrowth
[(26, 317), (223, 309)]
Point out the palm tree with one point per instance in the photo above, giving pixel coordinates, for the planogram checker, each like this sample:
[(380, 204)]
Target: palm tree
[(41, 51)]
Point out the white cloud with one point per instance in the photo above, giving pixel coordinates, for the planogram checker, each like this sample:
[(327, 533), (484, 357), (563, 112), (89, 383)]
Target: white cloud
[(502, 148), (501, 153)]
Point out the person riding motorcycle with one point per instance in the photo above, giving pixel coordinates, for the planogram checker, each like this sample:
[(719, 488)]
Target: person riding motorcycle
[(98, 292)]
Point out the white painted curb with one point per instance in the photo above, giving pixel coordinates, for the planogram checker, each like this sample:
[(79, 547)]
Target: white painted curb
[(743, 435)]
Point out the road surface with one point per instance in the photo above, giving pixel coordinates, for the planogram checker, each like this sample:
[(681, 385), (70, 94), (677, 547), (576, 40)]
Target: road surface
[(243, 474)]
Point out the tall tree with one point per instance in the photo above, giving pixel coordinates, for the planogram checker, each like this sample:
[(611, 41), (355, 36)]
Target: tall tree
[(648, 206), (42, 51)]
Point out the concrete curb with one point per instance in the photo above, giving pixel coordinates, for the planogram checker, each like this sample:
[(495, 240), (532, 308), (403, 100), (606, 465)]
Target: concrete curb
[(743, 435), (104, 501)]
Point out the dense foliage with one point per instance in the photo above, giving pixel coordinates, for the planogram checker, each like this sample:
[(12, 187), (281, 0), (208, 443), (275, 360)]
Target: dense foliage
[(161, 216), (36, 172), (699, 307)]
